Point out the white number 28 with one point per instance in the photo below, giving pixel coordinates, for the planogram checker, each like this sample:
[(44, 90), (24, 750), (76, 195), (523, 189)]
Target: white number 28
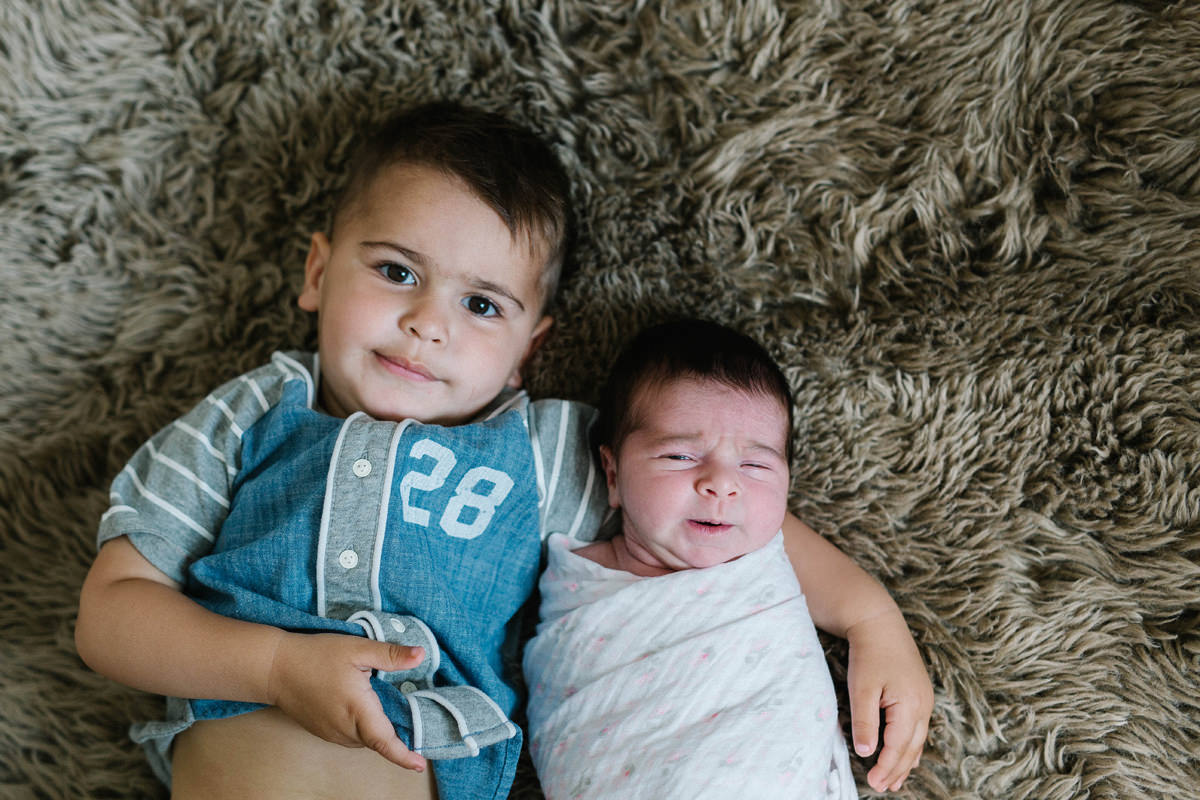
[(465, 494)]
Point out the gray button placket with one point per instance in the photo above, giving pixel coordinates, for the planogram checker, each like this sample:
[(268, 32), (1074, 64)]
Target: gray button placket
[(356, 507)]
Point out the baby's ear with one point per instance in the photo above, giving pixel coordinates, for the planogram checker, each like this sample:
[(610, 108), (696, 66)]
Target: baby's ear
[(314, 272), (608, 462)]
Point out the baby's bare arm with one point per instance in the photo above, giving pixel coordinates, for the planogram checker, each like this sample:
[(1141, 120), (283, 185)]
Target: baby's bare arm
[(886, 670), (136, 627), (839, 593)]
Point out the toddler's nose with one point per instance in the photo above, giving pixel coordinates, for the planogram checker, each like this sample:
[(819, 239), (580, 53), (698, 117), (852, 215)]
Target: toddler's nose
[(424, 320)]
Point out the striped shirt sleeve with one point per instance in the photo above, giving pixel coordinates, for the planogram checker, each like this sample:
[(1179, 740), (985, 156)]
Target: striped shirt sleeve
[(571, 489), (174, 494)]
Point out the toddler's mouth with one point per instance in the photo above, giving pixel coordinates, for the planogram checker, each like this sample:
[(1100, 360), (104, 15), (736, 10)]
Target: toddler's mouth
[(401, 366)]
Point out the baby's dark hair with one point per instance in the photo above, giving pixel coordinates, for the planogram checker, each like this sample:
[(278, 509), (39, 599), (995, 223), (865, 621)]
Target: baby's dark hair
[(689, 348), (504, 164)]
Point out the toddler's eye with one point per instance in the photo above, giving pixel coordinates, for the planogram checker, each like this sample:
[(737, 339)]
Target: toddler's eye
[(397, 273), (481, 306)]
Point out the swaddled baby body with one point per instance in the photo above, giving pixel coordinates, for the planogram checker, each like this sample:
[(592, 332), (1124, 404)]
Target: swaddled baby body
[(678, 659)]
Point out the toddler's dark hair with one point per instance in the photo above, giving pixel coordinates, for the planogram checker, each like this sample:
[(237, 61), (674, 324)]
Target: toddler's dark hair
[(689, 348), (504, 164)]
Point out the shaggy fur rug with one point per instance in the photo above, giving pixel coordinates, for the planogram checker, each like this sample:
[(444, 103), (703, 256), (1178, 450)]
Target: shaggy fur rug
[(970, 229)]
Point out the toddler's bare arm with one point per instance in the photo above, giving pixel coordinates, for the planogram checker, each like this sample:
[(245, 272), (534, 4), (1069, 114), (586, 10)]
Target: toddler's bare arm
[(136, 627)]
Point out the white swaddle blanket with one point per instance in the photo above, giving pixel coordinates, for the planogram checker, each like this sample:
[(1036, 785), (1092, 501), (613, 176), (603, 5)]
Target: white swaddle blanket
[(701, 683)]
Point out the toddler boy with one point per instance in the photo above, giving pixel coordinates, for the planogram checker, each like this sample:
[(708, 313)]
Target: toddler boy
[(391, 486)]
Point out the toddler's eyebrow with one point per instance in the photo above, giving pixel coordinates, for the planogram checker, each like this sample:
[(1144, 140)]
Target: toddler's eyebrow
[(412, 255), (495, 288), (422, 261)]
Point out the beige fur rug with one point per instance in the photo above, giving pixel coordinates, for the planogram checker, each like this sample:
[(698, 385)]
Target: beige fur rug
[(970, 229)]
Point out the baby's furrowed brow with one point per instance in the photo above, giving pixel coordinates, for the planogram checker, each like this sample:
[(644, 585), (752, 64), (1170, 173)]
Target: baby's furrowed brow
[(765, 448), (675, 439)]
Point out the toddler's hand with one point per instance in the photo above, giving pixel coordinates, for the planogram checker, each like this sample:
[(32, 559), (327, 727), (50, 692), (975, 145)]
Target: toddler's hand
[(886, 672), (322, 681)]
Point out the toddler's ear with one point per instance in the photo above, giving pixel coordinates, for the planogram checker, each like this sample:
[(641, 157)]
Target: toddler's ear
[(540, 332), (314, 272)]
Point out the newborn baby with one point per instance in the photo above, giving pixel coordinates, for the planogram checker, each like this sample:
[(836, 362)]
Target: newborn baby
[(678, 659)]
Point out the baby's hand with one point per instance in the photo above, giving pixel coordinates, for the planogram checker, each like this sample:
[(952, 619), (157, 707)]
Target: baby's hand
[(886, 672), (322, 681)]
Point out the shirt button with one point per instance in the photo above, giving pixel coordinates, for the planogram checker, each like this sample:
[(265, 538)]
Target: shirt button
[(397, 625), (408, 687), (362, 468), (348, 559)]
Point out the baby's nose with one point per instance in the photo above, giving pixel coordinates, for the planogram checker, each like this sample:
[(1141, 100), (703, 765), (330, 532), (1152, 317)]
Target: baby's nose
[(719, 482)]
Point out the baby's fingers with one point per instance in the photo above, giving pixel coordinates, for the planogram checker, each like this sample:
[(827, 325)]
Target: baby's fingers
[(864, 720), (903, 742)]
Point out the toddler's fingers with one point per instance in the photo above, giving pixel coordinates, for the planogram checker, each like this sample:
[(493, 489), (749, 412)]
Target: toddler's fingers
[(404, 657), (390, 657), (376, 732)]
